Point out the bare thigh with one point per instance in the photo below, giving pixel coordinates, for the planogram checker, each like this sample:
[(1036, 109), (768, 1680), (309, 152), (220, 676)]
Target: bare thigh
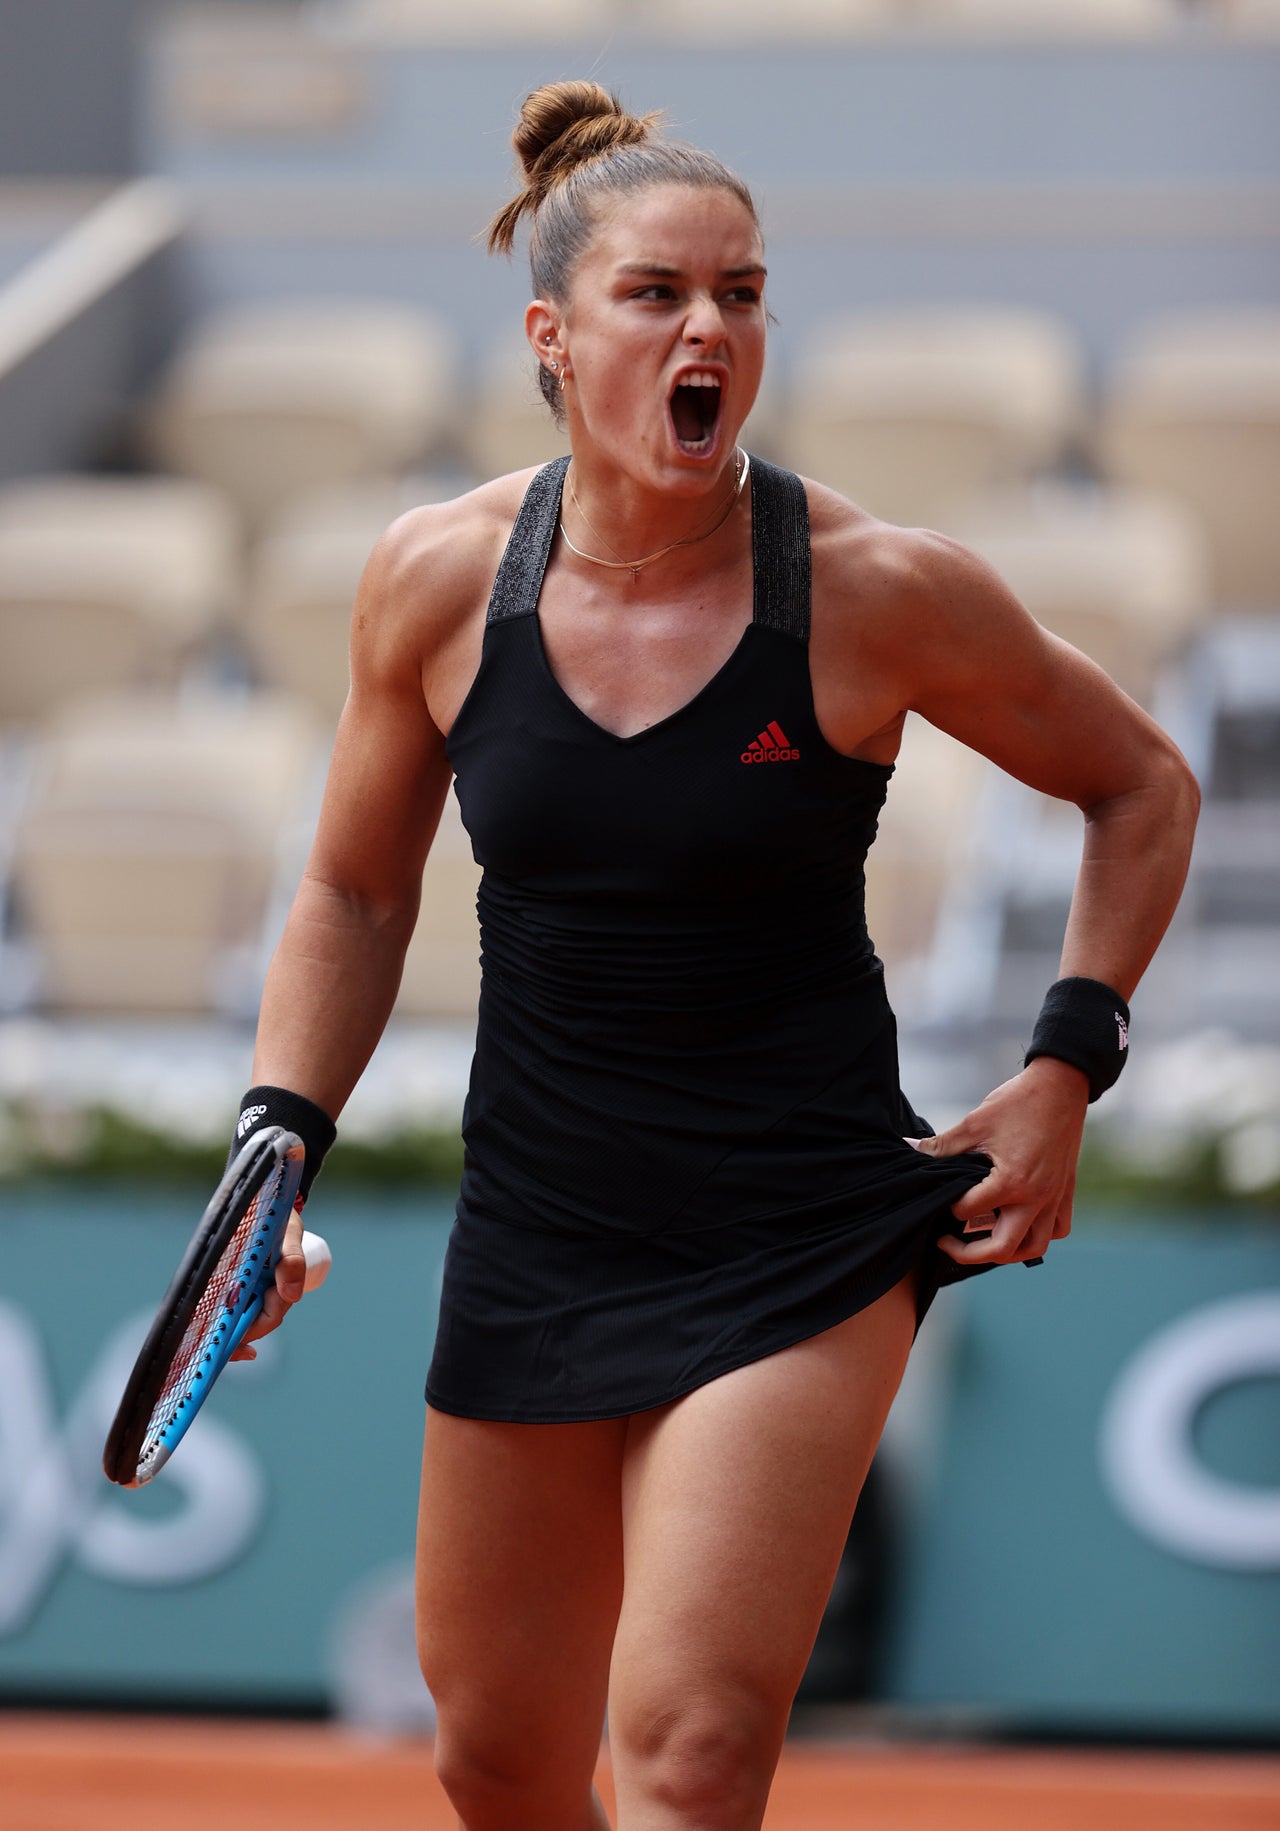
[(736, 1506), (519, 1585)]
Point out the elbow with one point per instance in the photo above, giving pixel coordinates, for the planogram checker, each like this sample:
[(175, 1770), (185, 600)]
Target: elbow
[(1183, 791), (389, 911), (1173, 803), (1163, 795)]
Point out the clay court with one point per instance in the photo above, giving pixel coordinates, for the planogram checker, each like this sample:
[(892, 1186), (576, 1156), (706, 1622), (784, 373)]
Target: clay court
[(61, 1773)]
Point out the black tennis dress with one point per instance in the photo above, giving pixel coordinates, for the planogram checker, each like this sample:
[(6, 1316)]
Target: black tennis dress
[(684, 1131)]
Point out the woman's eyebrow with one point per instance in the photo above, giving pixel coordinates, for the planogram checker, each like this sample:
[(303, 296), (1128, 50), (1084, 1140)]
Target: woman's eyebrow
[(661, 270)]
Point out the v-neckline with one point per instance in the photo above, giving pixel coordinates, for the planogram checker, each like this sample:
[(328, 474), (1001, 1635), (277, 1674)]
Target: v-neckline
[(660, 724), (689, 704)]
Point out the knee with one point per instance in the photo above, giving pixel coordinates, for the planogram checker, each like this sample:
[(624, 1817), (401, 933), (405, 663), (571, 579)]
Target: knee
[(479, 1759), (708, 1759), (481, 1766)]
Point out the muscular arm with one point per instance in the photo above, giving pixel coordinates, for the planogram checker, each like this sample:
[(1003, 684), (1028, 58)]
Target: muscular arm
[(334, 976), (415, 642), (932, 629), (982, 669)]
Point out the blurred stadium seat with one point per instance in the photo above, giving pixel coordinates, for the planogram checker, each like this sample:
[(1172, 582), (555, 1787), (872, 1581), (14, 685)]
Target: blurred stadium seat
[(106, 581), (1251, 17), (923, 833), (733, 21), (1120, 574), (1193, 408), (234, 72), (1054, 18), (437, 21), (912, 412), (1230, 717), (442, 966), (270, 400), (511, 426), (303, 577), (147, 848)]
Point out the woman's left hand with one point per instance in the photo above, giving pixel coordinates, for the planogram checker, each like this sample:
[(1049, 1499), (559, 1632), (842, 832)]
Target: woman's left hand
[(1030, 1128)]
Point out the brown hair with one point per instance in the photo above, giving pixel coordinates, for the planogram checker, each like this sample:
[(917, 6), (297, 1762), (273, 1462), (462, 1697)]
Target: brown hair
[(577, 145)]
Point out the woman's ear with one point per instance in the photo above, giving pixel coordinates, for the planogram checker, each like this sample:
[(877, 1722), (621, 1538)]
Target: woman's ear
[(542, 328)]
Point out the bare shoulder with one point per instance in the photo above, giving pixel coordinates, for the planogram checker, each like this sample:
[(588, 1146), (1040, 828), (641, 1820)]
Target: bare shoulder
[(906, 619), (901, 584), (921, 614), (430, 575)]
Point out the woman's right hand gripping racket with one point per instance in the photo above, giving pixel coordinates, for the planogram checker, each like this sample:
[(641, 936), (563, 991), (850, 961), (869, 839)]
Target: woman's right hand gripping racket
[(215, 1297)]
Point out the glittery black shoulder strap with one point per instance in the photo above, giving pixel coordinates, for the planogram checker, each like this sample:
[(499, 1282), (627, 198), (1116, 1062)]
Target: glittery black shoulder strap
[(515, 590), (780, 550), (779, 538)]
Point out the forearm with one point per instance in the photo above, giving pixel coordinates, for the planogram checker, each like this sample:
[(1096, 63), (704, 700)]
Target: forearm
[(1137, 847), (328, 994)]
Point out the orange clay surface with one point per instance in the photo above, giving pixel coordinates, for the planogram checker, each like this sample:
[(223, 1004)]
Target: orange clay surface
[(71, 1773)]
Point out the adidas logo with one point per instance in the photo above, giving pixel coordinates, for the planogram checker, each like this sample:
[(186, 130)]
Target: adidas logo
[(248, 1119), (772, 746), (1122, 1041)]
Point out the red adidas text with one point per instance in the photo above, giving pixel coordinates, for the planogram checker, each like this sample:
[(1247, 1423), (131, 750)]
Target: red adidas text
[(772, 746)]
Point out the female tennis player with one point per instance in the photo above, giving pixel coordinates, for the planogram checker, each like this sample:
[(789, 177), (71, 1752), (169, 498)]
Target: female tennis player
[(699, 1222)]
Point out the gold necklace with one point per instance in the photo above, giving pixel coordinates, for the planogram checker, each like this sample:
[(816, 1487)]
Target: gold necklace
[(690, 540)]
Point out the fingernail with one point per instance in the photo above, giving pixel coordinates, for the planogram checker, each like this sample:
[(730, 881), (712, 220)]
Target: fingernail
[(291, 1293)]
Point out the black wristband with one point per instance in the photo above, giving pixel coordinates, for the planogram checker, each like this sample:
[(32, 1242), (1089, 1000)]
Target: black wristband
[(1085, 1023), (277, 1106)]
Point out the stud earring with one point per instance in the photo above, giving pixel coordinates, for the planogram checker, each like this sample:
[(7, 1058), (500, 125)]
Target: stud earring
[(553, 366)]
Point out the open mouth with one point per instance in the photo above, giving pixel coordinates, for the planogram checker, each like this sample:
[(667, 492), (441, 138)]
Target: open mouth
[(695, 410)]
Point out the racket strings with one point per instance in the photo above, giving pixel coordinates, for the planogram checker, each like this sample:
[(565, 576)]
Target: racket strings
[(237, 1277)]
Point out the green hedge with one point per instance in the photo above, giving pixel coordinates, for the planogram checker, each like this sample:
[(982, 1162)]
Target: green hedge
[(104, 1145)]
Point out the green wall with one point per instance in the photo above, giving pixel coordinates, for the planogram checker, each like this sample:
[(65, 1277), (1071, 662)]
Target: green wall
[(1039, 1583)]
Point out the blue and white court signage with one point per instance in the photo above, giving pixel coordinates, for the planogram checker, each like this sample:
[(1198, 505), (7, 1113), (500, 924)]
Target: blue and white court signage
[(1103, 1542), (1153, 1466), (297, 1481), (1096, 1543)]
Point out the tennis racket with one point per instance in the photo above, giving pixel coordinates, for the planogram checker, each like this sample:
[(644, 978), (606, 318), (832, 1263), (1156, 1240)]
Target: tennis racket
[(214, 1298)]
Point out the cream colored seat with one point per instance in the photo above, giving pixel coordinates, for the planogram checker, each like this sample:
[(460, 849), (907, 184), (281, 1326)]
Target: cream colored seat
[(764, 428), (1193, 408), (270, 401), (442, 965), (303, 577), (106, 581), (479, 23), (147, 848), (922, 837), (912, 412), (1249, 18), (509, 425), (753, 21), (1118, 573), (1052, 18)]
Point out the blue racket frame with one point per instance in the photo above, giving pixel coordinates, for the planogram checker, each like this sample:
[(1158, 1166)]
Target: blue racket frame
[(270, 1166)]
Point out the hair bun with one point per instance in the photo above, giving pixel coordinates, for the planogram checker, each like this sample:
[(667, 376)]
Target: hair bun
[(563, 124)]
